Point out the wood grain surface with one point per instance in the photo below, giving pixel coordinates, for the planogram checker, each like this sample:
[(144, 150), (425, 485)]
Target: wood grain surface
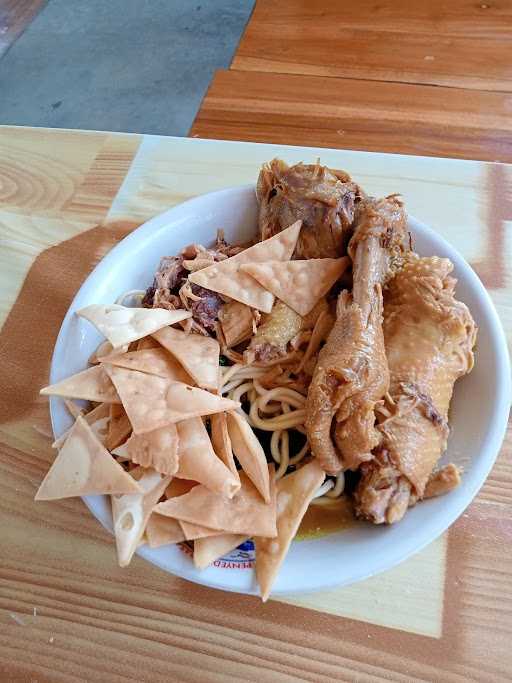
[(67, 612), (356, 114), (15, 16), (458, 44)]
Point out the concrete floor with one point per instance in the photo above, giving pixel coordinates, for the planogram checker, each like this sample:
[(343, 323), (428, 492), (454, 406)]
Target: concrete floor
[(125, 65)]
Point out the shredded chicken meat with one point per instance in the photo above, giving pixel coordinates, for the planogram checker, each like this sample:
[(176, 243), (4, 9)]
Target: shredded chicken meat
[(429, 338), (351, 375), (323, 198)]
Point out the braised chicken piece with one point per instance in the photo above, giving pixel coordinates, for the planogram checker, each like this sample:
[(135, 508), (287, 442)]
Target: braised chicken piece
[(323, 198), (351, 375), (429, 338)]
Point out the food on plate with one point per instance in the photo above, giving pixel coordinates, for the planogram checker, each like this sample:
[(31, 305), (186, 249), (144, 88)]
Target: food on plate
[(324, 199), (429, 344), (249, 380), (351, 375)]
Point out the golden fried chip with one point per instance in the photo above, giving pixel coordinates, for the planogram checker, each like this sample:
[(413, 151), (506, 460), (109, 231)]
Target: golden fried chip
[(294, 493), (84, 467), (97, 419), (210, 548), (193, 531), (221, 442), (162, 530), (249, 453), (227, 278), (197, 354), (119, 427), (92, 384), (245, 513), (152, 402), (122, 325), (157, 449), (130, 513), (198, 462), (299, 284), (156, 361)]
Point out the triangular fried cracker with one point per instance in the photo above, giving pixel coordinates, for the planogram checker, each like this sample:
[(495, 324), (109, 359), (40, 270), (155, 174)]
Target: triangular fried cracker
[(299, 284), (131, 512), (152, 402), (198, 462), (199, 355), (119, 427), (147, 343), (221, 442), (155, 361), (178, 487), (97, 419), (294, 493), (92, 384), (249, 453), (122, 325), (104, 350), (162, 530), (227, 278), (157, 449), (84, 467), (209, 549), (193, 531), (245, 513)]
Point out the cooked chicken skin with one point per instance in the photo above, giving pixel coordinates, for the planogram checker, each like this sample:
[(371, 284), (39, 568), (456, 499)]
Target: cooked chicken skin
[(429, 338), (351, 375), (324, 199)]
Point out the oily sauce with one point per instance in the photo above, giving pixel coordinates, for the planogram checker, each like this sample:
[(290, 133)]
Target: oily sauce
[(321, 520)]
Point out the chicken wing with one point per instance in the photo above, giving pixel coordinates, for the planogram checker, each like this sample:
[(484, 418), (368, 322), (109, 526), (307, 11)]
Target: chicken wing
[(429, 338), (351, 374), (324, 199)]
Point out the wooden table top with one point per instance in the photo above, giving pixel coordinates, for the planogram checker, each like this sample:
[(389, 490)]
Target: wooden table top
[(424, 77), (68, 613)]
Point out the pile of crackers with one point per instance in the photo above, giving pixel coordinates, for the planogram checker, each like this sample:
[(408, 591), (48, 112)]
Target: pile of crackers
[(179, 461)]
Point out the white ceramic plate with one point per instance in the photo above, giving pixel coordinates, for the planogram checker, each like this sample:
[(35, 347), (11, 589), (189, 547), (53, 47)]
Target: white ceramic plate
[(478, 417)]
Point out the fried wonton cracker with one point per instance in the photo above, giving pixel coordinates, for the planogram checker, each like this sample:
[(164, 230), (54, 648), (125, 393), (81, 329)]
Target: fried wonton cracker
[(249, 452), (147, 343), (104, 350), (156, 361), (162, 530), (157, 449), (294, 493), (221, 442), (165, 530), (118, 429), (245, 513), (300, 284), (210, 548), (227, 278), (92, 384), (122, 325), (97, 419), (193, 531), (84, 467), (152, 402), (198, 461), (130, 512), (197, 354)]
